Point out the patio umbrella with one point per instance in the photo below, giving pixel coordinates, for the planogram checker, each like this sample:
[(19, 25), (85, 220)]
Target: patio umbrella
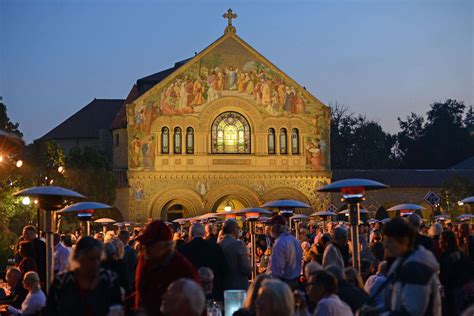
[(84, 212), (50, 199), (353, 191), (104, 222)]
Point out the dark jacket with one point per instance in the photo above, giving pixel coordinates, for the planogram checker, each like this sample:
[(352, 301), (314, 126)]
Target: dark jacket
[(66, 299), (238, 261), (117, 267), (130, 259), (455, 271), (425, 241), (352, 295), (203, 253), (16, 297), (40, 252)]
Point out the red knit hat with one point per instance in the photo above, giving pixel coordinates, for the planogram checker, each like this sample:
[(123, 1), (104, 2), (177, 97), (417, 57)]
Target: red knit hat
[(155, 231)]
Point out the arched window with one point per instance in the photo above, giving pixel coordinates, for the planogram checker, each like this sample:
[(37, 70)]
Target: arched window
[(165, 140), (295, 141), (283, 142), (230, 134), (271, 141), (177, 140), (189, 140)]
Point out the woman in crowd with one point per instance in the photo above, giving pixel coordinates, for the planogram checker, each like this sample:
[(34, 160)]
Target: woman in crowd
[(35, 300), (249, 304), (28, 257), (456, 271), (86, 289), (275, 298), (113, 260)]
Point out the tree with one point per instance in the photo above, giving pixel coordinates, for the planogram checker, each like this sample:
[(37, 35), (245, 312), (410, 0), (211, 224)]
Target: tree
[(439, 142), (43, 157), (456, 189), (359, 143), (90, 173), (5, 122)]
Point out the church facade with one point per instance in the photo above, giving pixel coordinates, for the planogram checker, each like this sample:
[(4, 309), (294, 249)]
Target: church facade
[(225, 130)]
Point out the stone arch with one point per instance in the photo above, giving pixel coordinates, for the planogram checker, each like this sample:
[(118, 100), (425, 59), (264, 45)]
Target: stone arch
[(246, 195), (184, 196), (285, 193), (234, 104)]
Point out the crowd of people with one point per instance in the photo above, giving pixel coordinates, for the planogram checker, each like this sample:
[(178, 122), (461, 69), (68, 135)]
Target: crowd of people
[(406, 268)]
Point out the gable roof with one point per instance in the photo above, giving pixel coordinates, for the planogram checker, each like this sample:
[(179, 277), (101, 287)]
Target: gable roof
[(465, 164), (146, 83), (87, 122), (200, 56), (404, 177), (143, 85)]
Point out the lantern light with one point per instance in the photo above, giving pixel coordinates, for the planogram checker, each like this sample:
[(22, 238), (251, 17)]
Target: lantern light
[(19, 163), (26, 201)]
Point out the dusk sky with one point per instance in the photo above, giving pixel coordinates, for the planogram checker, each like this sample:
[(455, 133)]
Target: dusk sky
[(382, 58)]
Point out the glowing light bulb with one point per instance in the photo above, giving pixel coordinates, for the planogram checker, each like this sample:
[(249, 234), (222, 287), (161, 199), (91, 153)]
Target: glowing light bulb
[(26, 201), (19, 163)]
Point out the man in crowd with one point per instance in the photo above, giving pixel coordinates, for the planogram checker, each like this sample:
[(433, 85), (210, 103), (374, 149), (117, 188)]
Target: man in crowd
[(322, 289), (158, 267), (130, 260), (466, 241), (413, 288), (236, 255), (17, 291), (286, 258), (204, 253), (420, 239), (335, 251), (61, 255), (352, 295), (183, 297), (29, 234)]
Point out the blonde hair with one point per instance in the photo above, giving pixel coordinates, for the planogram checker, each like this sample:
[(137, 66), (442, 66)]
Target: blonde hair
[(252, 292), (281, 298)]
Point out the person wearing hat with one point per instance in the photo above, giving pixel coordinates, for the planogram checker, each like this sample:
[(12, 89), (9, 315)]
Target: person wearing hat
[(158, 266), (286, 258)]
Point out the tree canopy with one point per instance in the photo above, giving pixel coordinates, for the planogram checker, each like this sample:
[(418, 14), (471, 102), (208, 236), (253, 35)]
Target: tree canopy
[(437, 140)]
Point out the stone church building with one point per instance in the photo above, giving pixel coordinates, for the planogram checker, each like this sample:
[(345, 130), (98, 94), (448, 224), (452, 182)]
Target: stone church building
[(226, 128)]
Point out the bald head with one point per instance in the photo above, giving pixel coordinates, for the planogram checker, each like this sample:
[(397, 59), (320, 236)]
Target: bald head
[(182, 298)]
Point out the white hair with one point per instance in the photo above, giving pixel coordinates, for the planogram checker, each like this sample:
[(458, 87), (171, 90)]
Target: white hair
[(311, 267), (191, 294), (197, 230)]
